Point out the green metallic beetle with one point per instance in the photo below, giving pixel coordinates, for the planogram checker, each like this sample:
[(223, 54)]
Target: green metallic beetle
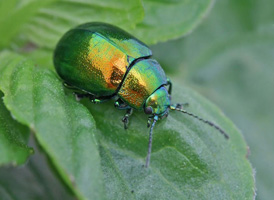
[(103, 62)]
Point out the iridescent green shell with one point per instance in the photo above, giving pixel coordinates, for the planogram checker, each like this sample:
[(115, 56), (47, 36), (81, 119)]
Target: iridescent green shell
[(142, 80), (94, 57), (104, 61)]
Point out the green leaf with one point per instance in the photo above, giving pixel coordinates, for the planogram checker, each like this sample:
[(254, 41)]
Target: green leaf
[(34, 180), (163, 19), (248, 61), (42, 57), (233, 66), (167, 19), (13, 138), (52, 21), (215, 28), (14, 14), (64, 128), (190, 160)]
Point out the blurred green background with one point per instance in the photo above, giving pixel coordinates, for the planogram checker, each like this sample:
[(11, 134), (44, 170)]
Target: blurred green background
[(229, 58)]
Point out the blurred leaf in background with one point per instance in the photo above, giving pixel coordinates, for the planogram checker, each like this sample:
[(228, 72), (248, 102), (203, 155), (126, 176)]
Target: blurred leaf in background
[(34, 180), (64, 128), (195, 163), (13, 139), (169, 19), (229, 59)]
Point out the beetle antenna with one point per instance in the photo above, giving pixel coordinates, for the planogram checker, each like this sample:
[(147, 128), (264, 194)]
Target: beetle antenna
[(150, 140), (203, 120)]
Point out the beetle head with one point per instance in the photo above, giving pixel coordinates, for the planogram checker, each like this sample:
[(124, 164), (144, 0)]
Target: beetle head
[(158, 103)]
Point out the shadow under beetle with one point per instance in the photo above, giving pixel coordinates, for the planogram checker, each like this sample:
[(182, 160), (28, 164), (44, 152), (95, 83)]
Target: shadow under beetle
[(102, 62)]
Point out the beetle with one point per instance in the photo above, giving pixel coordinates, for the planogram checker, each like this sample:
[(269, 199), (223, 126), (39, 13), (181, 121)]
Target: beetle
[(102, 62)]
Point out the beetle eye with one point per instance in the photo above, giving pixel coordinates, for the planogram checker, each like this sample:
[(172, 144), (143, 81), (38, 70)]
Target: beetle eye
[(148, 110)]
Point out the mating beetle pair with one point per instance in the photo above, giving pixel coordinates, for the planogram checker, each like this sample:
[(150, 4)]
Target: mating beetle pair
[(103, 62)]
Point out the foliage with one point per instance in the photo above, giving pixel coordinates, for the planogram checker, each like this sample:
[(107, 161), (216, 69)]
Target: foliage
[(88, 150), (13, 138), (233, 66)]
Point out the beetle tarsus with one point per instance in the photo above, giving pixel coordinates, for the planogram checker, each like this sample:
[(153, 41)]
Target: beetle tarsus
[(125, 121), (149, 121), (181, 105), (126, 117)]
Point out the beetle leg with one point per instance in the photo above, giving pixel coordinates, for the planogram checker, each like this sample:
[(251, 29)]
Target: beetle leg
[(126, 117), (123, 106), (92, 98), (95, 101), (149, 121), (181, 105), (119, 104), (169, 83)]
